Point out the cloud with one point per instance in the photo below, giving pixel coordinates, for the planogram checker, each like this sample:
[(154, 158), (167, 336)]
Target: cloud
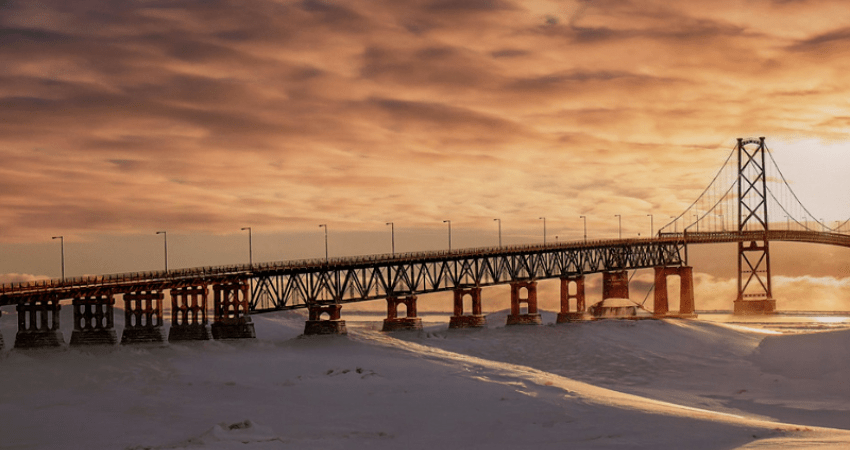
[(127, 117)]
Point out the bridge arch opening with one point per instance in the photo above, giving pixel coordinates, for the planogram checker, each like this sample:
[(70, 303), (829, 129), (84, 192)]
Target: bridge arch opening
[(401, 310), (467, 304)]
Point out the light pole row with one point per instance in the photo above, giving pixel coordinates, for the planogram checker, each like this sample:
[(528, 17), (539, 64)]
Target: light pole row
[(325, 226)]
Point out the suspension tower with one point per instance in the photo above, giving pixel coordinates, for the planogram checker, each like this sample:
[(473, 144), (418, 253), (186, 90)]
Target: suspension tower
[(754, 290)]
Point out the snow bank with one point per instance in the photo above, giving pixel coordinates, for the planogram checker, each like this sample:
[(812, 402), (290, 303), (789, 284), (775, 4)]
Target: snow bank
[(607, 384)]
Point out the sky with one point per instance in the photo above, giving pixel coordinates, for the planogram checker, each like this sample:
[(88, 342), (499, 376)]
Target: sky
[(122, 118)]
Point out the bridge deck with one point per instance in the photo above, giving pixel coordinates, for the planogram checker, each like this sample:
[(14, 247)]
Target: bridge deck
[(293, 284)]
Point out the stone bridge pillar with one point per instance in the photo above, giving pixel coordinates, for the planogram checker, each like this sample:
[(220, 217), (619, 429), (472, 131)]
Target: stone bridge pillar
[(566, 314), (686, 291), (230, 303), (189, 314), (316, 324), (93, 320), (615, 284), (461, 320), (531, 317), (38, 323), (143, 318), (410, 322)]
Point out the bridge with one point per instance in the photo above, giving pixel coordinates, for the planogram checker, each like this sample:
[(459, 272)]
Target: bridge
[(733, 209)]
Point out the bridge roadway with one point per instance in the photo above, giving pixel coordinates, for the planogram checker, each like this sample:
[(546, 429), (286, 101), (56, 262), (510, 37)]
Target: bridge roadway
[(297, 284)]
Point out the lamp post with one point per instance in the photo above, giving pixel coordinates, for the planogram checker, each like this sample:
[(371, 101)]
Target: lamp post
[(823, 225), (165, 243), (787, 223), (500, 231), (696, 221), (326, 240), (651, 226), (62, 254), (675, 224), (250, 246), (544, 229), (620, 226), (392, 235), (450, 233), (722, 222), (585, 227)]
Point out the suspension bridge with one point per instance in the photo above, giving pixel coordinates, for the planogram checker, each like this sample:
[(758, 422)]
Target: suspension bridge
[(736, 207)]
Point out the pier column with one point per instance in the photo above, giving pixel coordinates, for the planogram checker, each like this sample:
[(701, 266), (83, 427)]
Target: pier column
[(686, 291), (461, 320), (230, 303), (615, 284), (189, 314), (316, 324), (38, 323), (531, 317), (93, 321), (1, 334), (395, 323), (661, 301), (143, 318), (566, 314)]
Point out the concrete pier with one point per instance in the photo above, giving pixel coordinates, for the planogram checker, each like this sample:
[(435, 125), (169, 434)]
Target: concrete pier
[(409, 322), (567, 314), (615, 284), (38, 323), (93, 320), (325, 319), (231, 306), (461, 320), (686, 292), (143, 321), (189, 314), (530, 316)]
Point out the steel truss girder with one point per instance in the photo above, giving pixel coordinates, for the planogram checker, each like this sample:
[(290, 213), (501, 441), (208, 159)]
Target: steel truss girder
[(300, 287)]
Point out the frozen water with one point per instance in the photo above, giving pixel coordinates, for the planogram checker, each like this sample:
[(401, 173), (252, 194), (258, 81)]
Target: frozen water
[(607, 384)]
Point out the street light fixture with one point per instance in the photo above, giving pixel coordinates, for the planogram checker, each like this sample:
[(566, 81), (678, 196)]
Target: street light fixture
[(620, 226), (250, 247), (500, 231), (392, 235), (450, 233), (165, 243), (544, 229), (651, 226), (675, 224), (62, 254), (326, 240), (585, 227)]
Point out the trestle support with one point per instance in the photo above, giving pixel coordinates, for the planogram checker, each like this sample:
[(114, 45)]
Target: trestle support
[(93, 320), (143, 321), (230, 303), (189, 314), (38, 323)]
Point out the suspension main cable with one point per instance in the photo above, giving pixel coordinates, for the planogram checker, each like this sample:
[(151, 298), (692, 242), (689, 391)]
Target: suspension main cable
[(782, 176), (722, 168)]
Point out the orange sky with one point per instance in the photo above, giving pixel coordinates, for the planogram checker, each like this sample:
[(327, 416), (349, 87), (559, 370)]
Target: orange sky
[(118, 119)]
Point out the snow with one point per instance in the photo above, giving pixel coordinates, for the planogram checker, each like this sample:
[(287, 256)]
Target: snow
[(605, 384)]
